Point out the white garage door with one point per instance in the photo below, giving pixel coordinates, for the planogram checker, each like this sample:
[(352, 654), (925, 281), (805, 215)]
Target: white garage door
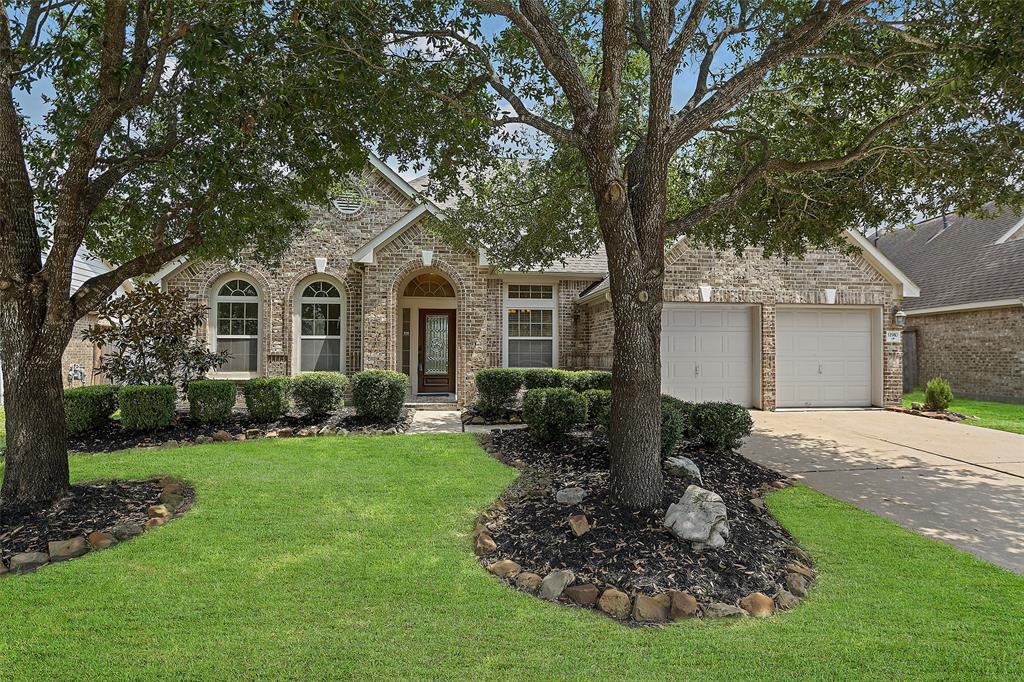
[(823, 358), (707, 353)]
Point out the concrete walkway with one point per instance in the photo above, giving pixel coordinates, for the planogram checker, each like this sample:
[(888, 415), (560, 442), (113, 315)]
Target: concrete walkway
[(954, 482), (448, 421)]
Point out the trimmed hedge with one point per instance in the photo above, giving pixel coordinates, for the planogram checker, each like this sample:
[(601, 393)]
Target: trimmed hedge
[(551, 413), (543, 377), (267, 398), (319, 393), (379, 394), (719, 426), (673, 417), (599, 405), (88, 407), (588, 380), (211, 400), (938, 394), (146, 408), (497, 388)]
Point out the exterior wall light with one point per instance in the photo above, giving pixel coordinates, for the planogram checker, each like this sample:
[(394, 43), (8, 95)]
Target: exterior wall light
[(900, 317)]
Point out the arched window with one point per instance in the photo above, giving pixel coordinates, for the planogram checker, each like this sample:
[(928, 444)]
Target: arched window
[(429, 284), (238, 325), (320, 328)]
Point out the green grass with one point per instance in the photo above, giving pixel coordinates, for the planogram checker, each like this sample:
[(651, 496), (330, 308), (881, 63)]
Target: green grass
[(351, 557), (991, 415)]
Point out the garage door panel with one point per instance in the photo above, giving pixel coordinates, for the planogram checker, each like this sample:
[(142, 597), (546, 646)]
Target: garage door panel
[(718, 340)]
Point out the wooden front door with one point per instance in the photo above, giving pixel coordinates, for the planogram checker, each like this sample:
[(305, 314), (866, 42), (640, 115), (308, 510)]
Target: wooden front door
[(437, 351)]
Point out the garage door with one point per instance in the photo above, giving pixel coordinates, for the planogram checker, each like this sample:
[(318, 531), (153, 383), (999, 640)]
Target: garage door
[(707, 353), (823, 358)]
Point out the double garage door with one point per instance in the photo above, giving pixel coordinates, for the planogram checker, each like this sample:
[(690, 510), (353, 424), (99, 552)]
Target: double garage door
[(823, 356)]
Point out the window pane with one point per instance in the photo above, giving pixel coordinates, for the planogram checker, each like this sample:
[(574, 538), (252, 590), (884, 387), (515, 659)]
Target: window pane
[(251, 327), (242, 354), (224, 326), (539, 291), (525, 322), (333, 328), (532, 353), (307, 327), (251, 310), (237, 311), (321, 355), (334, 311)]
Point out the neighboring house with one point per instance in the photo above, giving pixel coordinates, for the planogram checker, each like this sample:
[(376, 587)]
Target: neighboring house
[(369, 285), (968, 324)]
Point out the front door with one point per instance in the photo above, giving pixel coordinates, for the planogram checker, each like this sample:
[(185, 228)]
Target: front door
[(437, 351)]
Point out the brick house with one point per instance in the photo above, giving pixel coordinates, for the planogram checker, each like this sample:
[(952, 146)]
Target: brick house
[(968, 323), (370, 286)]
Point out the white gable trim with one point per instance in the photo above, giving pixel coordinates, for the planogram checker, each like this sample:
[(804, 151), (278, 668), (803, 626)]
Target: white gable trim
[(1013, 230), (883, 264), (367, 253), (397, 180)]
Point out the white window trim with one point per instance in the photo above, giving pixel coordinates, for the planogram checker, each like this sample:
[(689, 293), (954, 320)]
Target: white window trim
[(534, 304), (297, 320), (215, 298)]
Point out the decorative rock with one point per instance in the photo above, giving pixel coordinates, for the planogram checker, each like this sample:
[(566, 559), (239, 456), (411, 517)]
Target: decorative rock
[(797, 567), (203, 440), (171, 501), (570, 495), (154, 522), (554, 584), (506, 568), (171, 443), (684, 467), (579, 524), (101, 540), (253, 433), (124, 531), (286, 432), (615, 603), (797, 584), (327, 431), (515, 419), (158, 511), (683, 605), (221, 436), (28, 561), (477, 420), (169, 485), (758, 605), (62, 550), (651, 609), (721, 610), (270, 434), (530, 582), (484, 544), (757, 503), (584, 595), (699, 517), (786, 599), (3, 568), (240, 436)]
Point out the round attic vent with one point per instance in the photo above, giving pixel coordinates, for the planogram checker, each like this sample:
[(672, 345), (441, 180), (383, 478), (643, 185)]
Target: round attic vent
[(348, 202)]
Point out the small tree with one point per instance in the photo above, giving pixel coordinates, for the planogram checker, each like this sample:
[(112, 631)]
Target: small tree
[(150, 339)]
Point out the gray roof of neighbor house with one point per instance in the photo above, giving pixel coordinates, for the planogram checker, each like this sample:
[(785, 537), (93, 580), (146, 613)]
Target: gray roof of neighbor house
[(970, 260)]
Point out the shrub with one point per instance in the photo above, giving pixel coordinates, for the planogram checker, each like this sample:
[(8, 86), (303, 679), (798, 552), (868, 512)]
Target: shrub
[(88, 407), (543, 377), (673, 423), (144, 408), (497, 388), (211, 401), (319, 393), (938, 394), (379, 394), (266, 398), (552, 412), (719, 426), (588, 380), (599, 405)]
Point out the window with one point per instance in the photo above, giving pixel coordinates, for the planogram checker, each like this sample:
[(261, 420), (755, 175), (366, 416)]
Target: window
[(530, 326), (430, 285), (238, 325), (320, 325)]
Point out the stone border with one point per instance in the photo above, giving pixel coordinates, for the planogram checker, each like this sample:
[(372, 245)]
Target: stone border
[(471, 415), (639, 609), (175, 499), (918, 411)]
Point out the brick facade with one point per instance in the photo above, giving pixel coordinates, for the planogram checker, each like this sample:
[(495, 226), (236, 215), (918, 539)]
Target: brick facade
[(84, 353), (980, 352)]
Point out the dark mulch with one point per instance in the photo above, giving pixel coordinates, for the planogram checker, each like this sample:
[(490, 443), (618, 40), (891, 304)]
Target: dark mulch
[(632, 550), (88, 507), (112, 437)]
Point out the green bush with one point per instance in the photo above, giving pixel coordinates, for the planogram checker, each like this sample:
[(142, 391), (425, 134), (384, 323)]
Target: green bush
[(266, 398), (542, 377), (718, 426), (211, 400), (599, 405), (497, 388), (938, 394), (673, 423), (551, 413), (379, 394), (145, 408), (319, 393), (88, 407), (588, 380)]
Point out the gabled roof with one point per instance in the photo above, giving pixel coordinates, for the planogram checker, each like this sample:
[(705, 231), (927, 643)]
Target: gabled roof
[(962, 261)]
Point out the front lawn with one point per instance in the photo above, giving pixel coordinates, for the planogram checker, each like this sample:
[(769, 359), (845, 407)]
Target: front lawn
[(351, 557), (991, 415)]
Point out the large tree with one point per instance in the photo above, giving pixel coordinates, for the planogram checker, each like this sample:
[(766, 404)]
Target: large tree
[(168, 127), (765, 123)]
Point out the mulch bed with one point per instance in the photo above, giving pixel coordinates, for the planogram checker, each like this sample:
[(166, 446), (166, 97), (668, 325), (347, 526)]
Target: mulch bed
[(112, 437), (631, 550), (88, 507)]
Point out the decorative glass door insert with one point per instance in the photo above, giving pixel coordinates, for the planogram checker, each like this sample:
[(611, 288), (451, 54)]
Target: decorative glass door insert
[(436, 344)]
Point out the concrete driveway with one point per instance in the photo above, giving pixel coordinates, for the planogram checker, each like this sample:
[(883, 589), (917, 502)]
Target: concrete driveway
[(953, 482)]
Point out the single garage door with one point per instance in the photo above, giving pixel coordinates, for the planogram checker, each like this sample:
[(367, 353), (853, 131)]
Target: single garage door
[(707, 353), (823, 358)]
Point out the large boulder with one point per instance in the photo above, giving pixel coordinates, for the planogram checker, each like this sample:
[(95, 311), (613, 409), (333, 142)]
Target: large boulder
[(573, 495), (554, 584), (615, 603), (685, 468), (651, 609), (699, 517), (28, 561), (62, 550)]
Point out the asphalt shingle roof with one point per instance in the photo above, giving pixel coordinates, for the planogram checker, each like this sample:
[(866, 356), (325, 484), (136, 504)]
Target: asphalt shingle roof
[(961, 263)]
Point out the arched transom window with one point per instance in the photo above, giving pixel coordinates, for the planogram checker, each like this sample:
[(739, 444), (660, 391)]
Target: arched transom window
[(238, 325), (429, 284), (320, 328)]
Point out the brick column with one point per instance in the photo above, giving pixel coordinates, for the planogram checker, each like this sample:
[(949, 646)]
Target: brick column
[(768, 356)]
